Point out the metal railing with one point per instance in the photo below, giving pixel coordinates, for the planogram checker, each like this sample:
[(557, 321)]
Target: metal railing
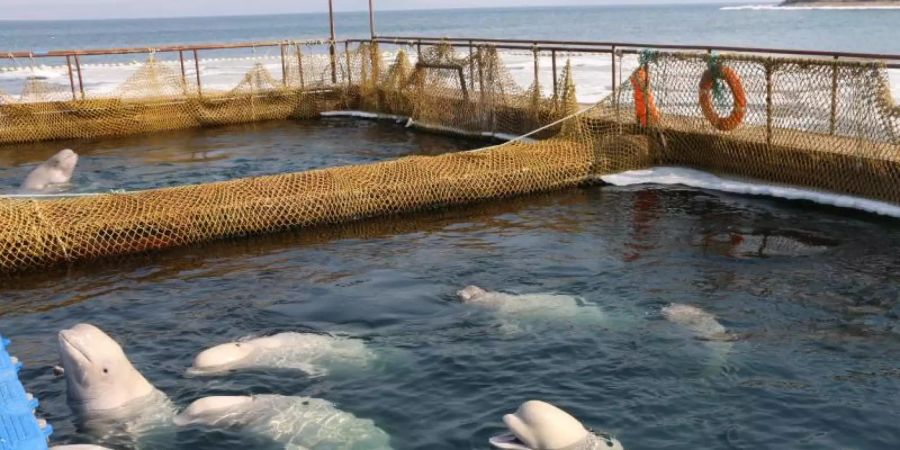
[(76, 77)]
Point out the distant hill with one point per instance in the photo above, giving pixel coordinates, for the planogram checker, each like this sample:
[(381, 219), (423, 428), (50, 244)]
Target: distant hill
[(841, 2)]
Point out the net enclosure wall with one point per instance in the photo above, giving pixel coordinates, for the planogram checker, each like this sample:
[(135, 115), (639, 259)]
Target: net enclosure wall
[(814, 123)]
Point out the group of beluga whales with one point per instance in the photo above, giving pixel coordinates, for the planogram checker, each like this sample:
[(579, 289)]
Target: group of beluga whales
[(116, 404)]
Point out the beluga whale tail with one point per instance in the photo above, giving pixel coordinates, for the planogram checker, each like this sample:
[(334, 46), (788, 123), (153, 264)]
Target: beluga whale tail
[(538, 425)]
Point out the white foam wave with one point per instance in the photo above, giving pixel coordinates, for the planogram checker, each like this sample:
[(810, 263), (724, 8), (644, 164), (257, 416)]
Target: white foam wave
[(704, 180), (803, 8)]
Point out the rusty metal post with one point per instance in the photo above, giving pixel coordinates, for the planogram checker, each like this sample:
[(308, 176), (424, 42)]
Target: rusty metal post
[(615, 87), (349, 69), (300, 65), (834, 89), (471, 66), (183, 73), (536, 52), (332, 49), (769, 89), (197, 69), (372, 19), (80, 79), (283, 67), (71, 77), (555, 81)]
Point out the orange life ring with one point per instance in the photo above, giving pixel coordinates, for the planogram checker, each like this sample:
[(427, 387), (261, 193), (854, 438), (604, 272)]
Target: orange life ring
[(733, 120), (643, 104)]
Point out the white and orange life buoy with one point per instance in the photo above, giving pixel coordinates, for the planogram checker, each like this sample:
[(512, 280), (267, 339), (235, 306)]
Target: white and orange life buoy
[(739, 109)]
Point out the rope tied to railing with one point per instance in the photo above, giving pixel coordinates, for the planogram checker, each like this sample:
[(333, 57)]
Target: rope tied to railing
[(714, 64)]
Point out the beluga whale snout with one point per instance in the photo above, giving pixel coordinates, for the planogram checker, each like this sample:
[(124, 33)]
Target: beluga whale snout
[(538, 425), (56, 170)]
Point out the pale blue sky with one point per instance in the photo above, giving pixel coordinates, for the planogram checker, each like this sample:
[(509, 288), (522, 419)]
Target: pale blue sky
[(102, 9)]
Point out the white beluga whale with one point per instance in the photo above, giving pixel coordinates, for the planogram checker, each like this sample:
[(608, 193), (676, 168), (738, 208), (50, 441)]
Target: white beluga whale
[(296, 422), (544, 304), (705, 327), (54, 171), (538, 425), (112, 399), (312, 353), (701, 323)]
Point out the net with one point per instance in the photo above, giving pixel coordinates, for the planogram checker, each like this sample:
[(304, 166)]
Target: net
[(820, 124)]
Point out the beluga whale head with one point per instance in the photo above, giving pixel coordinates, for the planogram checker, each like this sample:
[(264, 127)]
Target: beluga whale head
[(470, 294), (56, 170), (538, 425), (223, 355), (99, 377)]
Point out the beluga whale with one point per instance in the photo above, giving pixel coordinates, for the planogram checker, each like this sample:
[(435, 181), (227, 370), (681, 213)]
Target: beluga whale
[(314, 354), (705, 327), (538, 425), (296, 422), (112, 399), (555, 305), (55, 171)]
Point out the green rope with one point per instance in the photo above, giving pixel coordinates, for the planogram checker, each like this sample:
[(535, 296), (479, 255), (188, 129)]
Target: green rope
[(718, 88), (648, 56)]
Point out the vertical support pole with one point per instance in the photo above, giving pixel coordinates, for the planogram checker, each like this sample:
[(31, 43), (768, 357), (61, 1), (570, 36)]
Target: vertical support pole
[(349, 69), (71, 77), (555, 80), (80, 79), (183, 73), (300, 65), (834, 89), (615, 86), (471, 66), (769, 89), (419, 50), (197, 69), (332, 51), (283, 66), (371, 19)]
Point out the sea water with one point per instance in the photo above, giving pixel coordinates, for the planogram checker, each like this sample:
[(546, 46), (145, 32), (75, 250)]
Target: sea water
[(810, 291)]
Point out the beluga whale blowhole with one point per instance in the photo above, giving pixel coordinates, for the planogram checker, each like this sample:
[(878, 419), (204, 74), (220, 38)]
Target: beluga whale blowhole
[(55, 171), (538, 425)]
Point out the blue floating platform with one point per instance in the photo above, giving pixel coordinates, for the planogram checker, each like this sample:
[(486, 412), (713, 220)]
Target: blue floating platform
[(19, 430)]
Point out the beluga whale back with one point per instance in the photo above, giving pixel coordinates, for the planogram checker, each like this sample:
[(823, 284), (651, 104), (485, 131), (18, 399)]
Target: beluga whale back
[(297, 422), (314, 354)]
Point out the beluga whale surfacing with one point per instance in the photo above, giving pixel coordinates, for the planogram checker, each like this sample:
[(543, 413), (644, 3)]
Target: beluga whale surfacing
[(314, 354), (538, 425), (55, 171), (112, 399), (296, 422)]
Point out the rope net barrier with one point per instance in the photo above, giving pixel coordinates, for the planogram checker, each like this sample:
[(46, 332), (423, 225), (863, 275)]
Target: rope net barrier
[(820, 124)]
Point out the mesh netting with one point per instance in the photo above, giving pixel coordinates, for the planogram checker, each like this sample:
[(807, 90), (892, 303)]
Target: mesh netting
[(821, 124)]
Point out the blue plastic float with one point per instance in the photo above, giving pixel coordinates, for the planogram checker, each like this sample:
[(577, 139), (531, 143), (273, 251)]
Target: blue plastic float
[(19, 430)]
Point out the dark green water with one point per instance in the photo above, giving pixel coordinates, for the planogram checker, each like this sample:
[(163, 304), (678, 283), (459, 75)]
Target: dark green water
[(815, 366)]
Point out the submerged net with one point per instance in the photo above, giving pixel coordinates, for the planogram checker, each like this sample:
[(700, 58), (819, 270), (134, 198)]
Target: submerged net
[(821, 124)]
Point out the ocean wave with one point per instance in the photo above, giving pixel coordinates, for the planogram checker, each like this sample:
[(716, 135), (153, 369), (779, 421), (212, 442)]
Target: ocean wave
[(803, 8)]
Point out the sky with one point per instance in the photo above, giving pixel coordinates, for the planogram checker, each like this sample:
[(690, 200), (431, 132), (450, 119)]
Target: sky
[(107, 9)]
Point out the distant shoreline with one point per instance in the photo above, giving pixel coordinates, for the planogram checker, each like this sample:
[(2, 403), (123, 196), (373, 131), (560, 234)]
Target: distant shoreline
[(838, 3)]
